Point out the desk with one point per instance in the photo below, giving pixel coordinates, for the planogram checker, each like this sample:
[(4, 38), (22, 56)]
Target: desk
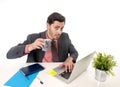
[(86, 79)]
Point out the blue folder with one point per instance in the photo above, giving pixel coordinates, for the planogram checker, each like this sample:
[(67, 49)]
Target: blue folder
[(19, 80)]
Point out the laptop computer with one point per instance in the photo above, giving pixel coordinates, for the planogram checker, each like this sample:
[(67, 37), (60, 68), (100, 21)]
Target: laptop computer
[(79, 67)]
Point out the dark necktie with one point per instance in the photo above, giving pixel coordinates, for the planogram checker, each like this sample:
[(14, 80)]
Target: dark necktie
[(54, 51)]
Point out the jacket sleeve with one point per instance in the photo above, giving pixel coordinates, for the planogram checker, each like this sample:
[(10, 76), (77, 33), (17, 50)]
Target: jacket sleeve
[(73, 52), (18, 51), (66, 48)]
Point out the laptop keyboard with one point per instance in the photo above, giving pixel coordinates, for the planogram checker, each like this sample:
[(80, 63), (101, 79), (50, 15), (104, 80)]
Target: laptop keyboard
[(65, 74)]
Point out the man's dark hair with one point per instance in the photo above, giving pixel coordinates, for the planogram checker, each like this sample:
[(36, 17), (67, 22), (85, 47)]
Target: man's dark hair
[(55, 17)]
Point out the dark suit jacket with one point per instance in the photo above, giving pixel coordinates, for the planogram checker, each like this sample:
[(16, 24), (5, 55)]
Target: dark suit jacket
[(65, 48)]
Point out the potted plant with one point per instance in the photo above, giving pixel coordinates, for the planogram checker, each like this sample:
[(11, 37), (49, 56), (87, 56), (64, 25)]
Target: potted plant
[(103, 64)]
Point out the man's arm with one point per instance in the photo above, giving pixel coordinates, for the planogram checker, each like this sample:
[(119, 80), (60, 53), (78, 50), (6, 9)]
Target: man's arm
[(73, 52), (15, 52), (72, 55), (70, 60), (19, 50)]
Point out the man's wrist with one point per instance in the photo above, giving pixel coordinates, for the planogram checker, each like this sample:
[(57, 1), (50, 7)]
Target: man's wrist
[(28, 48), (70, 58)]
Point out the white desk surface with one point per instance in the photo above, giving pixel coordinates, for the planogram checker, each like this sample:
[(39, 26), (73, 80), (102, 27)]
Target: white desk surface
[(86, 79)]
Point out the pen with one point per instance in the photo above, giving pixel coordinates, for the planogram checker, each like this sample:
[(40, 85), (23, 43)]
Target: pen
[(40, 80)]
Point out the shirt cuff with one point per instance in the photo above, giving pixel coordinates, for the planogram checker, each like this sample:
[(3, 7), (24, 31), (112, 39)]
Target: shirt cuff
[(26, 51)]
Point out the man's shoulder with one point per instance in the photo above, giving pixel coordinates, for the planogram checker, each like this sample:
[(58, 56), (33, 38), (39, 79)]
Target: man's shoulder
[(64, 34), (36, 35)]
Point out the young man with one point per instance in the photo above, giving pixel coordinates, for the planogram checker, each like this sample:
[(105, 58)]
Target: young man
[(65, 52)]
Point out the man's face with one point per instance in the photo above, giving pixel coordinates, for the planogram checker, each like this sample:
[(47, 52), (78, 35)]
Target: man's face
[(55, 30)]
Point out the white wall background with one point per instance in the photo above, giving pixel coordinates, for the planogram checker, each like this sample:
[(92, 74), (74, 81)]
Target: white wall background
[(91, 24)]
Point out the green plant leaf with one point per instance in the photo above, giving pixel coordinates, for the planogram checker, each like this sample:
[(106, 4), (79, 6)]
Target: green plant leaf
[(104, 62)]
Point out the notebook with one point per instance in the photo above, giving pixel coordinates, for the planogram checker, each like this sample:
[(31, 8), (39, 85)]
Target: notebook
[(31, 69)]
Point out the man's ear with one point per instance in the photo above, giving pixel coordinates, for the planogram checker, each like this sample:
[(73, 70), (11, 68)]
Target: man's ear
[(47, 26)]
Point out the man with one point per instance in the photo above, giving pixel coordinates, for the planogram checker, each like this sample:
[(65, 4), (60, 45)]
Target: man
[(66, 52)]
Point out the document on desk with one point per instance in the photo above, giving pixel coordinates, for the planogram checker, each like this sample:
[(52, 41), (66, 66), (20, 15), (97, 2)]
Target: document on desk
[(19, 80)]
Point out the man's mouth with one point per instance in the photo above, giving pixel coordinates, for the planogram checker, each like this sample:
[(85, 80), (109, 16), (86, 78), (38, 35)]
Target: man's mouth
[(57, 36)]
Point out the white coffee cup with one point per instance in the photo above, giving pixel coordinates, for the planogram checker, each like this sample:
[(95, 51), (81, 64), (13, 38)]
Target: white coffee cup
[(47, 44)]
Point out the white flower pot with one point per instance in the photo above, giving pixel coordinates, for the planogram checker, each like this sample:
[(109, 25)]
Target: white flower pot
[(100, 75)]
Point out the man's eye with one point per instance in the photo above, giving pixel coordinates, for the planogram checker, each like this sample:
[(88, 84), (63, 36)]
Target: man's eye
[(56, 28), (61, 28)]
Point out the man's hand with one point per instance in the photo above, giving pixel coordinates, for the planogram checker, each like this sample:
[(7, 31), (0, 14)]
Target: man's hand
[(68, 64), (37, 44)]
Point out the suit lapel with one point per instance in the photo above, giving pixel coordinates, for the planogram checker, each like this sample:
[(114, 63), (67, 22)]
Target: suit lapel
[(60, 47)]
